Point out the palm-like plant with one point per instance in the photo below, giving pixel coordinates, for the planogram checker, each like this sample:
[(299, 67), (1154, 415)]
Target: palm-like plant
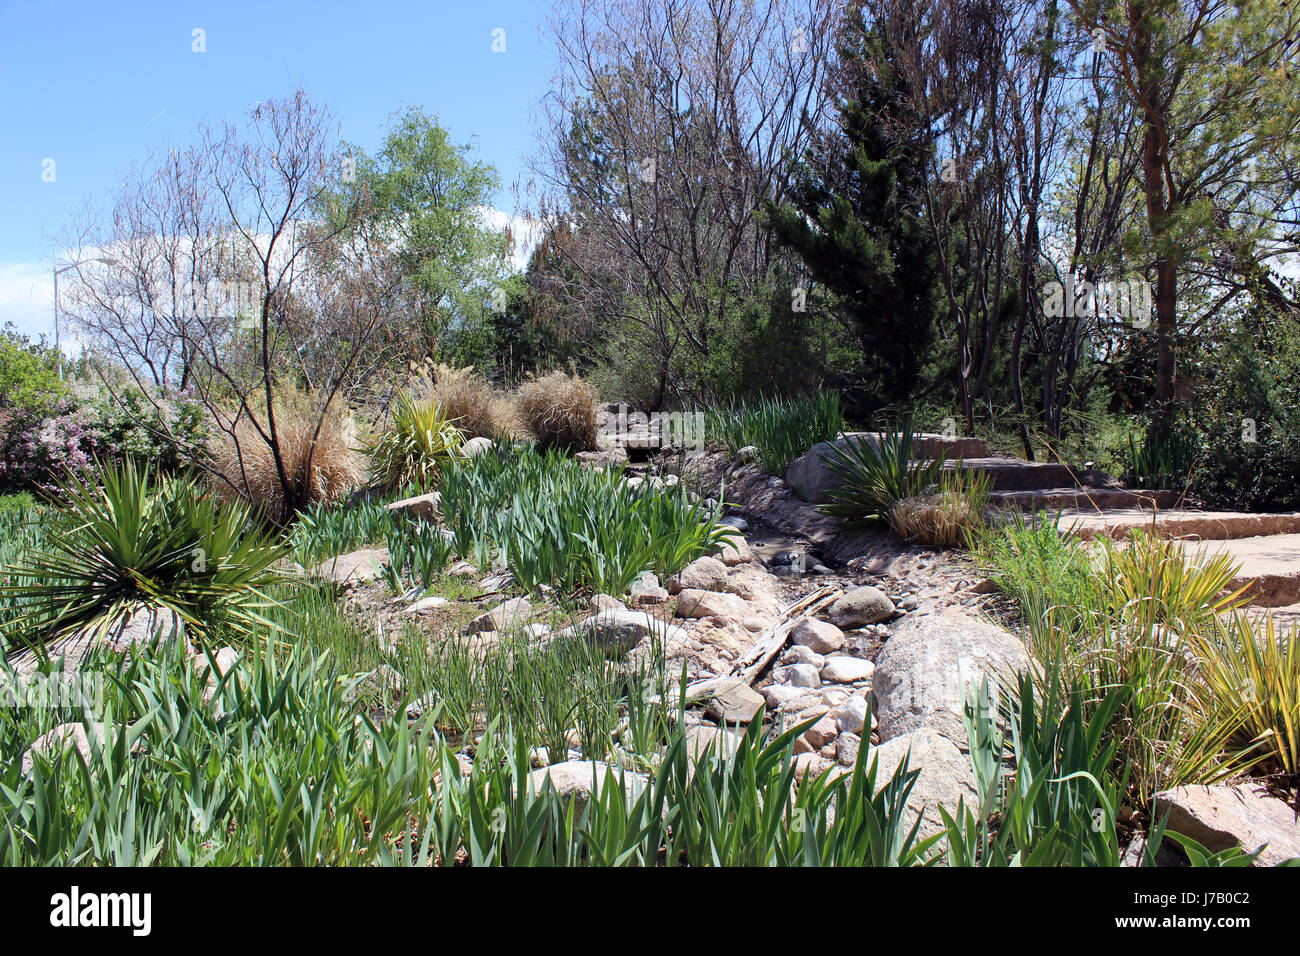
[(135, 542), (415, 446), (876, 478)]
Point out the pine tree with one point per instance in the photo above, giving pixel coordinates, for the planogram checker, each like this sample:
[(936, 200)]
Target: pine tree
[(855, 224)]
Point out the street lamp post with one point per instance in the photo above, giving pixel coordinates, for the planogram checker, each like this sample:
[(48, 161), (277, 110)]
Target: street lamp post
[(58, 348)]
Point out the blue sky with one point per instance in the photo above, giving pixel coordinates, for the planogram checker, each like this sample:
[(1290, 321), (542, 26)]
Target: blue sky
[(96, 86)]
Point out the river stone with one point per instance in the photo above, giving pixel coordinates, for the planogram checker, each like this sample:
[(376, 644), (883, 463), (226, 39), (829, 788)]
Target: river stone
[(427, 506), (846, 670), (697, 604), (930, 667), (860, 607), (818, 636), (704, 574)]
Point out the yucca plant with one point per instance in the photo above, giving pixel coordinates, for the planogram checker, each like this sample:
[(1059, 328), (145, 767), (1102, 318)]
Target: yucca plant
[(134, 541), (877, 478), (414, 446)]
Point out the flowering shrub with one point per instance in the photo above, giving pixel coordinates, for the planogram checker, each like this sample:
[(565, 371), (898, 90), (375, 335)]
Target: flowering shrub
[(40, 448)]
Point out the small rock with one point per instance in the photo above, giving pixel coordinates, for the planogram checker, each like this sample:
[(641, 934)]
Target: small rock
[(818, 636), (510, 615), (427, 507), (603, 602), (847, 670), (846, 749), (802, 654), (694, 603), (798, 675), (425, 606), (851, 715), (477, 446), (733, 550), (704, 574), (859, 607)]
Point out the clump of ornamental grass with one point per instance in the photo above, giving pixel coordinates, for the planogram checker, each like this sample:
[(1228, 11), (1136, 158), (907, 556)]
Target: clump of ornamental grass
[(471, 403), (559, 411), (947, 517), (320, 462)]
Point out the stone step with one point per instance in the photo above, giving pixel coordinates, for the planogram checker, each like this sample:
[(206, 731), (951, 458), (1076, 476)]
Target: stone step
[(1185, 524), (1270, 567), (1012, 474), (1082, 500)]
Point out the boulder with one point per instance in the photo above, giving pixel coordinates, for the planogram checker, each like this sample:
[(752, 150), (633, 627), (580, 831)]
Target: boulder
[(355, 567), (931, 666), (63, 737), (1220, 817), (578, 780), (621, 630), (945, 780), (477, 446), (427, 507), (703, 574), (859, 607), (818, 636), (511, 615), (695, 603)]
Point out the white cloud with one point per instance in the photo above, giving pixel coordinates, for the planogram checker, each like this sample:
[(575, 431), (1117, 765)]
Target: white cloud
[(527, 233), (27, 297)]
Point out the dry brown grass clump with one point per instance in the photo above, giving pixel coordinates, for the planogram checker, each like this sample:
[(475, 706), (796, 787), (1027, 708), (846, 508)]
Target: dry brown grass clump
[(559, 410), (944, 519), (336, 468), (475, 407)]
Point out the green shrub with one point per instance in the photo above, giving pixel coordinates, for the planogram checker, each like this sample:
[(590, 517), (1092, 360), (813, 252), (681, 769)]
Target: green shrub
[(781, 429), (136, 541), (1129, 616)]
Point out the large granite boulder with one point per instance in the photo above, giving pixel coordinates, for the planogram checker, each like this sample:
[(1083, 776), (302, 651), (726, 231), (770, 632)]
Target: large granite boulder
[(931, 667)]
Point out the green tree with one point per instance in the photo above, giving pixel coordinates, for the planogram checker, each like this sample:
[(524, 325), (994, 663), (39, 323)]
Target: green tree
[(431, 194), (29, 377), (854, 223)]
